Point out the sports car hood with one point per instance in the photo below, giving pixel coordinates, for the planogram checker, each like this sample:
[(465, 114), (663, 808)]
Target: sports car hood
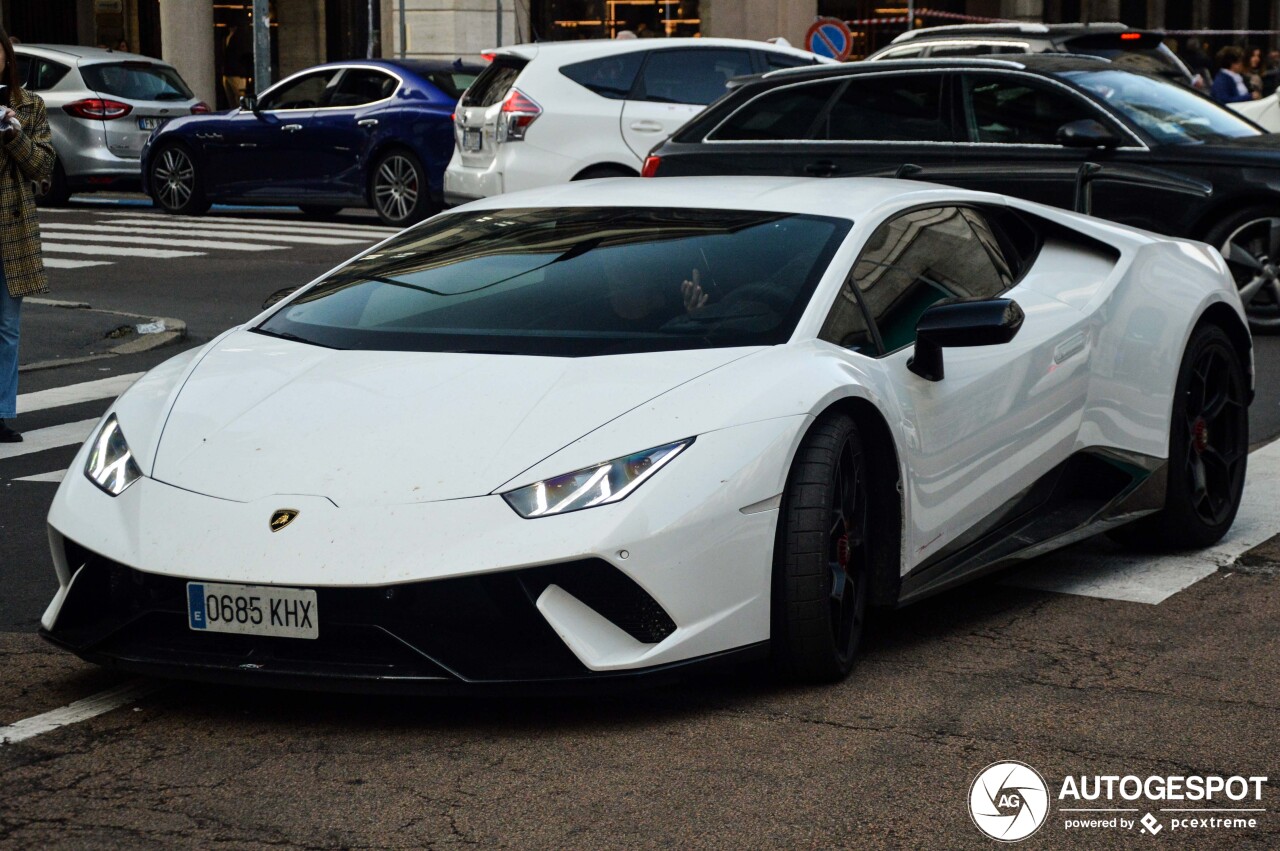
[(261, 416)]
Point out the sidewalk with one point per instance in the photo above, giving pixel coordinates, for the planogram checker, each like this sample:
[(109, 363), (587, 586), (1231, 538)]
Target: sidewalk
[(58, 333)]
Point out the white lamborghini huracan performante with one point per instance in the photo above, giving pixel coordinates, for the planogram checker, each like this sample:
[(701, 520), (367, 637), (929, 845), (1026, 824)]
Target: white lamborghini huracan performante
[(619, 427)]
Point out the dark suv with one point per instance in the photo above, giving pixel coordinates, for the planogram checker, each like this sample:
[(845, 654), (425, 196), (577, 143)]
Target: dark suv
[(1136, 50), (1066, 131)]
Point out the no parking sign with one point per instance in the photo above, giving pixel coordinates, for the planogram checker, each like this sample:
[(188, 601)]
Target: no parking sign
[(830, 37)]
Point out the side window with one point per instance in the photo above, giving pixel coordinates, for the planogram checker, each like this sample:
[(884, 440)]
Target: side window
[(909, 263), (610, 76), (908, 108), (789, 112), (359, 86), (306, 92), (24, 68), (1015, 112), (44, 74), (690, 76)]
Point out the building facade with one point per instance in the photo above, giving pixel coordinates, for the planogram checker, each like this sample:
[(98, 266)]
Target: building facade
[(211, 43)]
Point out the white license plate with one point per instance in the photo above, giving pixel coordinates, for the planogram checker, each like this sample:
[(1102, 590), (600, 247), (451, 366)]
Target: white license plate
[(253, 610), (471, 139), (149, 123)]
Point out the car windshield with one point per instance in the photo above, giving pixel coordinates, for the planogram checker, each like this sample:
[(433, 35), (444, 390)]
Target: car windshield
[(1169, 113), (572, 282), (136, 81)]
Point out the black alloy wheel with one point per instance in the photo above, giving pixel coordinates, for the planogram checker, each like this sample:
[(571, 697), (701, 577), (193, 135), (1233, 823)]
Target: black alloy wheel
[(1208, 450), (398, 187), (175, 182), (1250, 242), (822, 563)]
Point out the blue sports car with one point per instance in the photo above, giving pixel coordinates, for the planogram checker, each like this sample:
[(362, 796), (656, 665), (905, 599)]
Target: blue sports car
[(374, 132)]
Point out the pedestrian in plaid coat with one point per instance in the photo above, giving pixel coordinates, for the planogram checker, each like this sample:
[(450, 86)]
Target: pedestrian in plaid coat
[(26, 158)]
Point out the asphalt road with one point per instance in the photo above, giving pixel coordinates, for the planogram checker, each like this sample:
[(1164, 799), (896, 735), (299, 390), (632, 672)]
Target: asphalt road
[(1068, 683)]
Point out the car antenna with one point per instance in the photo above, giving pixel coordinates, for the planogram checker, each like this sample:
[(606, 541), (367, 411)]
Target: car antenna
[(906, 171)]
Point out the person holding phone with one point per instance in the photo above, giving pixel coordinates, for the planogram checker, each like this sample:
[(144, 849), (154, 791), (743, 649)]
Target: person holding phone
[(26, 158)]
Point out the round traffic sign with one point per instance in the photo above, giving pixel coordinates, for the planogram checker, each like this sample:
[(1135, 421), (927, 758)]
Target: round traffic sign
[(830, 37)]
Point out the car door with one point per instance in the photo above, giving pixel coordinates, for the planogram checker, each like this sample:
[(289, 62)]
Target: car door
[(346, 129), (1004, 416), (271, 152), (673, 86), (869, 124)]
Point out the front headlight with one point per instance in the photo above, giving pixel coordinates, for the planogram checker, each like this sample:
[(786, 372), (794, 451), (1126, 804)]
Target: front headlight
[(599, 485), (111, 465)]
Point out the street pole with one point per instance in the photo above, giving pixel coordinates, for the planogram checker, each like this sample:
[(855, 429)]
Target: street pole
[(261, 47), (499, 44), (368, 53), (404, 31), (911, 14)]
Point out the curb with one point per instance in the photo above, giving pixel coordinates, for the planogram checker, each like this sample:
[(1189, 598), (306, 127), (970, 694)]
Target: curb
[(153, 332)]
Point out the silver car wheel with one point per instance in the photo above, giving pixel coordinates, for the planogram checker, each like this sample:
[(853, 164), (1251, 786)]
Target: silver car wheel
[(396, 187), (175, 178), (1252, 252)]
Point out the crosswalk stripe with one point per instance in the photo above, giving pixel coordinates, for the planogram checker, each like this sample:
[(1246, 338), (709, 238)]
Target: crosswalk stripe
[(74, 394), (353, 232), (115, 250), (60, 263), (77, 234), (239, 234), (297, 223), (67, 434), (55, 477)]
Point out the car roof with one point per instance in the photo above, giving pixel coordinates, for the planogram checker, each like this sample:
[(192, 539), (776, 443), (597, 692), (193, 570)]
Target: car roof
[(591, 48), (77, 55), (854, 199), (1010, 30)]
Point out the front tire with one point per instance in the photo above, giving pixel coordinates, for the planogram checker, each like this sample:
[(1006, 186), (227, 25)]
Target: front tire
[(1208, 450), (398, 189), (1250, 241), (176, 182), (822, 561)]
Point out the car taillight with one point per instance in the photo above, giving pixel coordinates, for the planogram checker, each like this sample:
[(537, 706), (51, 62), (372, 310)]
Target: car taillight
[(487, 56), (651, 164), (201, 108), (103, 110), (518, 112)]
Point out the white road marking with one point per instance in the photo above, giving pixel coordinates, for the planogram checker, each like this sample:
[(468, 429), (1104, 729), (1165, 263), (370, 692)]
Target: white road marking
[(55, 477), (74, 394), (74, 713), (241, 234), (67, 434), (355, 232), (1097, 568), (59, 263), (114, 250), (77, 233), (297, 223)]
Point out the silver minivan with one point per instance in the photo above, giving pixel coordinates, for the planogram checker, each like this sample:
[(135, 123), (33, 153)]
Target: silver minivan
[(103, 106)]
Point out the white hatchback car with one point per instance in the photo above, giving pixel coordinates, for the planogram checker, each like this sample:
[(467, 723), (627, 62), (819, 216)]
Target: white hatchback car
[(553, 112)]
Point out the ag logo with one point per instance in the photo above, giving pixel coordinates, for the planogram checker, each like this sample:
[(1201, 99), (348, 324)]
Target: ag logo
[(1008, 801), (282, 518)]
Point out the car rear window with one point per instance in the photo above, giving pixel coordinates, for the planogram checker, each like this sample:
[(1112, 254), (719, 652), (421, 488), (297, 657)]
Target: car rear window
[(572, 283), (452, 83), (136, 81), (609, 76), (494, 82)]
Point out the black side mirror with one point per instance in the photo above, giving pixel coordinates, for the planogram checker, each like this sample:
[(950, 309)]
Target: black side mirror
[(279, 296), (956, 322), (249, 103), (1086, 133)]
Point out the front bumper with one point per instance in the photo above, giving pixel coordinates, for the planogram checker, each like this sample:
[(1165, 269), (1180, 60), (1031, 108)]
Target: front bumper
[(450, 593)]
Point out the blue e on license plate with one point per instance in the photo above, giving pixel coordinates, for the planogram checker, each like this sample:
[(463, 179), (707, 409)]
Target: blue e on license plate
[(252, 610)]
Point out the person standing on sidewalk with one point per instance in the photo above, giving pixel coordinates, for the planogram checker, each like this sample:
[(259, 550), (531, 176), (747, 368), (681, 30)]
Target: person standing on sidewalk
[(26, 158)]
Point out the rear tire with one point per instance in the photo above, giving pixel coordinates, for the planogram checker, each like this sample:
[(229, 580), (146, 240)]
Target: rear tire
[(599, 171), (59, 193), (398, 189), (822, 563), (176, 183), (1208, 450), (1250, 240)]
